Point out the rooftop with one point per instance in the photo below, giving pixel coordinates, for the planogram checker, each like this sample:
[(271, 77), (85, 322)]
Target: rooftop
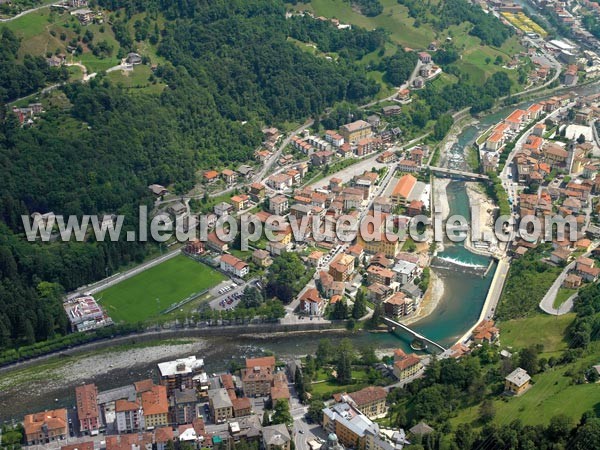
[(180, 366)]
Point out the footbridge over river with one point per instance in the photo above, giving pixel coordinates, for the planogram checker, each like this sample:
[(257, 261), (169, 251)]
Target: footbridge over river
[(393, 324), (461, 174)]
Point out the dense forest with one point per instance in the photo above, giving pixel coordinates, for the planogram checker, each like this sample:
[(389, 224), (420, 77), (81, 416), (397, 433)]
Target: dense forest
[(230, 69)]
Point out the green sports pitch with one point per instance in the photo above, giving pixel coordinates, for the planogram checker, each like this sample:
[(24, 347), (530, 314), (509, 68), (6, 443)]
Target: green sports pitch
[(147, 294)]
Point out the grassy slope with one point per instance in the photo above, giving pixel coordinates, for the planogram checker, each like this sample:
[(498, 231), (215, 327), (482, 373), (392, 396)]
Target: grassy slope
[(552, 393), (537, 329), (35, 31), (147, 294)]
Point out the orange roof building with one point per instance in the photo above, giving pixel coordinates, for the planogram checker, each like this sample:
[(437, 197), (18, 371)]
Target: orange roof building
[(45, 427), (87, 408), (156, 407), (403, 189)]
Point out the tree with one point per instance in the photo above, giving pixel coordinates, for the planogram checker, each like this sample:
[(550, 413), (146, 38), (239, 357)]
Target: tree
[(377, 316), (281, 413), (587, 436), (252, 297), (442, 126), (315, 410), (487, 411), (266, 421), (359, 309), (559, 428), (286, 276), (324, 352), (581, 139), (528, 360), (343, 364), (340, 310)]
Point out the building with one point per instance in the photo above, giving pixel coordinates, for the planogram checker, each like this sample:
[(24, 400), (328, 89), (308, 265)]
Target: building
[(355, 131), (180, 374), (240, 202), (129, 416), (155, 407), (342, 267), (517, 381), (85, 314), (311, 302), (403, 189), (257, 380), (234, 265), (353, 429), (261, 258), (220, 405), (86, 398), (370, 401), (229, 176), (278, 205), (276, 437), (257, 192), (485, 332), (397, 306), (183, 404), (45, 427), (407, 366)]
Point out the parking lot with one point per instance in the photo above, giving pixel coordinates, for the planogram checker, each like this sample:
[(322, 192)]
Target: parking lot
[(226, 295)]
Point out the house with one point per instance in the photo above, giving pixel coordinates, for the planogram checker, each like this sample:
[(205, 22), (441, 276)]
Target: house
[(374, 120), (229, 176), (407, 367), (134, 59), (378, 292), (220, 405), (490, 162), (408, 165), (560, 256), (261, 258), (403, 188), (572, 281), (245, 170), (570, 77), (129, 416), (278, 205), (311, 302), (418, 83), (177, 209), (517, 381), (315, 258), (555, 155), (415, 208), (257, 192), (421, 429), (85, 17), (86, 397), (222, 209), (371, 401), (405, 271), (45, 427), (321, 158), (280, 181), (516, 119), (403, 96), (210, 176), (280, 390), (386, 157), (485, 332), (276, 437), (392, 110), (397, 306), (240, 202), (330, 287), (355, 131), (158, 190), (424, 57), (334, 138), (233, 264)]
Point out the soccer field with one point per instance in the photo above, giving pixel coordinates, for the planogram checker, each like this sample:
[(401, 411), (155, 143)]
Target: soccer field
[(147, 294)]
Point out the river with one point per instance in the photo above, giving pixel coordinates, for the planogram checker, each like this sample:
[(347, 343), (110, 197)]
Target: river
[(465, 290)]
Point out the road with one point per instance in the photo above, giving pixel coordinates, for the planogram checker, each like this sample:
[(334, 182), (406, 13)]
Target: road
[(406, 85), (547, 303), (21, 14)]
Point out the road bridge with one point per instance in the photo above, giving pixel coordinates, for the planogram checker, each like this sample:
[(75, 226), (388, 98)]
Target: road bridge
[(454, 173), (413, 333)]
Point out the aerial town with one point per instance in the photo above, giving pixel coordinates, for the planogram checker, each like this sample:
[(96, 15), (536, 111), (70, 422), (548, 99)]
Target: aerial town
[(441, 335)]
